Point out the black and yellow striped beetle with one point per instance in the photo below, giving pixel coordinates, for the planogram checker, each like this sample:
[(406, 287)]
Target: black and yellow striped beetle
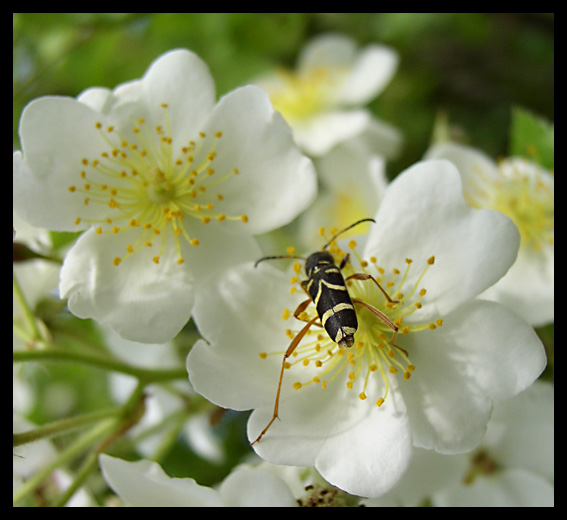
[(327, 289)]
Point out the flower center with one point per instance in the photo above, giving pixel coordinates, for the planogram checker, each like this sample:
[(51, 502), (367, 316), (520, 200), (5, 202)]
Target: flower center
[(375, 351), (317, 495), (523, 193), (146, 184), (300, 96)]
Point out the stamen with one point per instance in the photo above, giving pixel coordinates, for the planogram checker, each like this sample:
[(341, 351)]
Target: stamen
[(147, 185), (376, 352)]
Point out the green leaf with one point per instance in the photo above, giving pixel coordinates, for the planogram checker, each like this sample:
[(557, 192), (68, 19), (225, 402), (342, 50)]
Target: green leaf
[(532, 137)]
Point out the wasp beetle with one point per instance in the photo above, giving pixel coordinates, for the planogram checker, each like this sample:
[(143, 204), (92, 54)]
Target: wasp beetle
[(327, 289)]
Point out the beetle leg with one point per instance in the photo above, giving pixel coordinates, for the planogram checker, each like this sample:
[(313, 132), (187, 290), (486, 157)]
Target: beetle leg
[(385, 320), (289, 352), (300, 308), (303, 305), (363, 276)]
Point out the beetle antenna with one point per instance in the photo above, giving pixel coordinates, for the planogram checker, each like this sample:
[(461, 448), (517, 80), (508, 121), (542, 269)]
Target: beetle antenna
[(276, 257), (346, 229)]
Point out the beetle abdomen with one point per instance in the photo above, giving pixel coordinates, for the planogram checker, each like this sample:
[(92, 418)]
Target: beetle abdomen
[(334, 306)]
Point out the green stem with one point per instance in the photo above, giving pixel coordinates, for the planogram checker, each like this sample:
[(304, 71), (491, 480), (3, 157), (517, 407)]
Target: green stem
[(65, 456), (145, 375), (27, 313), (108, 430), (89, 464), (62, 426)]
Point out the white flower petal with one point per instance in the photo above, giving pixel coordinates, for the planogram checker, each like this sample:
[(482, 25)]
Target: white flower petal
[(57, 133), (233, 374), (528, 287), (469, 162), (371, 72), (327, 50), (353, 183), (354, 445), (367, 71), (96, 98), (275, 181), (320, 133), (217, 252), (182, 80), (145, 484), (142, 301), (255, 488), (424, 214), (428, 473), (521, 431), (507, 488), (382, 138), (482, 353)]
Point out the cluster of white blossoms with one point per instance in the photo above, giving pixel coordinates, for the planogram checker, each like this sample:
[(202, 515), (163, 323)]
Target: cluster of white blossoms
[(169, 187), (356, 414)]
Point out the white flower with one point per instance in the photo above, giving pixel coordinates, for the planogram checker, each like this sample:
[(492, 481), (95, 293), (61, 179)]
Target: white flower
[(354, 414), (145, 484), (352, 183), (512, 467), (320, 99), (152, 170), (524, 192)]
